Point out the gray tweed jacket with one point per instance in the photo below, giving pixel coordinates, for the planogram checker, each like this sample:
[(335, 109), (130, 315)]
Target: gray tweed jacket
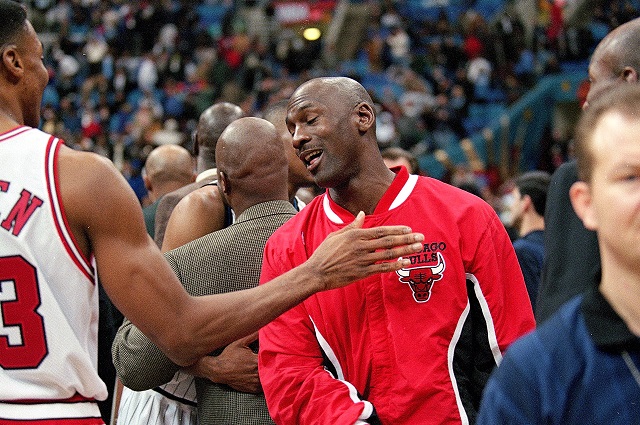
[(223, 261)]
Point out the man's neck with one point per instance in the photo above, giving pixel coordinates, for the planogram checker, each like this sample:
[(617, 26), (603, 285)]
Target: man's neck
[(355, 203), (363, 195), (530, 223), (621, 288), (203, 163), (8, 121)]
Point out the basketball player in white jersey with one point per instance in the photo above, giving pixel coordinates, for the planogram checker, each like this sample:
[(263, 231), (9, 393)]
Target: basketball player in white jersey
[(68, 216)]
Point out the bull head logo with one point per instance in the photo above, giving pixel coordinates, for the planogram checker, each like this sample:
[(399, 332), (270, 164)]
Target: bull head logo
[(421, 279)]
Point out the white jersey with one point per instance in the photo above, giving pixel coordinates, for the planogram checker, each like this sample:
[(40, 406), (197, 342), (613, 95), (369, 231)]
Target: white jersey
[(48, 292), (173, 403)]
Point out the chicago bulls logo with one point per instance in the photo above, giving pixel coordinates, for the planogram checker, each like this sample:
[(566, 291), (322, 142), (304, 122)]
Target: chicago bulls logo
[(421, 279)]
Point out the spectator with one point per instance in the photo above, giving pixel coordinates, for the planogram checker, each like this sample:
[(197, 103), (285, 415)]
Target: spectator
[(167, 168), (397, 156), (527, 217)]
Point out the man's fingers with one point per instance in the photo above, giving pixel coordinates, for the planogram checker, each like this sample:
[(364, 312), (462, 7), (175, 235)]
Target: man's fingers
[(377, 233), (244, 342), (413, 241), (392, 255), (387, 266), (355, 224)]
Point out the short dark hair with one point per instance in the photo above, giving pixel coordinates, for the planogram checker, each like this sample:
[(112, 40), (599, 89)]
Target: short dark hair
[(534, 184), (622, 98), (394, 153), (13, 17)]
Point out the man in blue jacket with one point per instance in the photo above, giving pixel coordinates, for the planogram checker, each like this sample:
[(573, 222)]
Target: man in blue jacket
[(581, 365)]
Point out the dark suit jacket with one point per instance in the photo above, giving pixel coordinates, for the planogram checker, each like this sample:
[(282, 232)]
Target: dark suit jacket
[(572, 256), (223, 261)]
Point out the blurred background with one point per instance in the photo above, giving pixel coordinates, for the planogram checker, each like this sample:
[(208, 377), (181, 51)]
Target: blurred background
[(478, 91)]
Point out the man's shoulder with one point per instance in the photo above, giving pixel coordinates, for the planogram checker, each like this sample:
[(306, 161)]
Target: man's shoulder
[(297, 225), (176, 195), (533, 242), (243, 233), (556, 343)]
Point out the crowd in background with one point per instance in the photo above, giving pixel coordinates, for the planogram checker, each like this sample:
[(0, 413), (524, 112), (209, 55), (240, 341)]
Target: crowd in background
[(128, 76)]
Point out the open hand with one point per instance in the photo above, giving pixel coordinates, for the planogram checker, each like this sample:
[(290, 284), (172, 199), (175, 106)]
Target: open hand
[(354, 253)]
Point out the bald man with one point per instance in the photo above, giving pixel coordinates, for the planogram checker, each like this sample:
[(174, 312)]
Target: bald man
[(253, 179), (412, 346), (167, 168)]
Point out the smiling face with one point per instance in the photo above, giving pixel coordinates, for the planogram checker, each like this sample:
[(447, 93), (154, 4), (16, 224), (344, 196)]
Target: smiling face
[(323, 125)]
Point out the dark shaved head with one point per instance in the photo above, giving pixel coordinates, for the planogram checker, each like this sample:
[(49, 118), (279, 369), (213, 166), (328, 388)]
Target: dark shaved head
[(252, 165), (211, 124), (620, 47), (615, 60), (345, 90)]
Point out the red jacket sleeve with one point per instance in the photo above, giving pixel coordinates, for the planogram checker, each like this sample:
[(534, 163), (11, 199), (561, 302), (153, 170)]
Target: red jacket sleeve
[(499, 286), (297, 387)]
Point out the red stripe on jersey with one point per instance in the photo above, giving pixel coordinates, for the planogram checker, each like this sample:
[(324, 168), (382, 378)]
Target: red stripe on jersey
[(68, 421), (80, 261), (13, 132), (76, 398)]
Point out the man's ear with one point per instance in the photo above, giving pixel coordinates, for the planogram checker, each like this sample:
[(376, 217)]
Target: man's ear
[(582, 202), (630, 74), (528, 203), (366, 116), (12, 62), (147, 182), (223, 183)]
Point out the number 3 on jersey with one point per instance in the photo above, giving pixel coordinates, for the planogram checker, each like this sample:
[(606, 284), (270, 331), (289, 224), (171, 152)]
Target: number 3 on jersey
[(22, 340)]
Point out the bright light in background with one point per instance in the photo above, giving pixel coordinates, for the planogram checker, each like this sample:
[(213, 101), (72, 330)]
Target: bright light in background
[(311, 34)]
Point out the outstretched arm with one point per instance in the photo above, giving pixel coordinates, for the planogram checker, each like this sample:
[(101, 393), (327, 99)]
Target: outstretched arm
[(106, 219)]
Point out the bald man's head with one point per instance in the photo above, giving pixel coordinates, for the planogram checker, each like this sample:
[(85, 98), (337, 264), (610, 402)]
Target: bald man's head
[(615, 60), (251, 160), (344, 90), (211, 124), (620, 46), (167, 168)]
